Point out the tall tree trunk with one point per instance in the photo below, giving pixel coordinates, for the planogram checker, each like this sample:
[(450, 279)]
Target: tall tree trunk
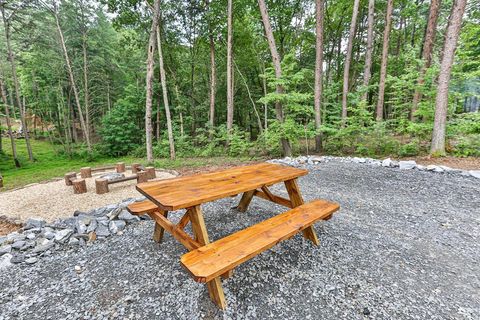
[(428, 43), (367, 72), (348, 59), (72, 83), (11, 57), (383, 67), (149, 81), (441, 102), (85, 84), (213, 81), (318, 72), (171, 142), (157, 133), (9, 125), (287, 150), (229, 67)]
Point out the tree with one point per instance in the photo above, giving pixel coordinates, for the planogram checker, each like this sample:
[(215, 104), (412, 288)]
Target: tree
[(149, 81), (73, 85), (229, 67), (441, 102), (367, 72), (171, 142), (11, 58), (9, 125), (348, 58), (318, 71), (428, 43), (383, 67), (287, 150)]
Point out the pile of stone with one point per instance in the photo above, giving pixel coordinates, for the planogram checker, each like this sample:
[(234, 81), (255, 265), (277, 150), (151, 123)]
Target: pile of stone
[(389, 163), (38, 238)]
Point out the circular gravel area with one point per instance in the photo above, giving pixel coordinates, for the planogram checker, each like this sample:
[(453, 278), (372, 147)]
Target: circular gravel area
[(405, 245), (53, 199)]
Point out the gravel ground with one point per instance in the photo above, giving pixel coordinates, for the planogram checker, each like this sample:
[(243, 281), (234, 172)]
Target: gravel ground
[(405, 245), (52, 200)]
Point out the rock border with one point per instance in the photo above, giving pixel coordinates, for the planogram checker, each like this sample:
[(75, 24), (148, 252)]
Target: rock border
[(38, 238), (387, 163)]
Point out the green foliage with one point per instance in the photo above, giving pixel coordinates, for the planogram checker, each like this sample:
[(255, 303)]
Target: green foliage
[(120, 131)]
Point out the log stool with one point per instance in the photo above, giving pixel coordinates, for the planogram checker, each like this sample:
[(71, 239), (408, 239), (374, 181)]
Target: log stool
[(69, 177), (142, 176), (79, 186), (135, 167), (151, 172), (86, 172), (120, 167), (101, 186)]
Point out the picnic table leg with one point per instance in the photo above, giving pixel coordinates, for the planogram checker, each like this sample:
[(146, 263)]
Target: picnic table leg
[(245, 201), (214, 286), (159, 231), (297, 200)]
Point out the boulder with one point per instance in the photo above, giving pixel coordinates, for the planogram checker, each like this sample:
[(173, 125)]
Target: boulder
[(92, 226), (407, 165), (17, 245), (359, 160), (387, 162), (114, 213), (43, 245), (475, 173), (63, 235), (34, 223), (127, 216), (102, 231), (116, 226), (5, 249), (31, 260), (5, 261), (434, 168)]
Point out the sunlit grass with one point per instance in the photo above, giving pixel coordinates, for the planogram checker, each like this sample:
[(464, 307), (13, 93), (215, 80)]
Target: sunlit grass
[(51, 163)]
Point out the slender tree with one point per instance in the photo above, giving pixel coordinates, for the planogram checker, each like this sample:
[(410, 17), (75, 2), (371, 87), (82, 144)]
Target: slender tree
[(171, 141), (367, 72), (9, 124), (348, 59), (441, 102), (72, 79), (287, 150), (229, 67), (427, 50), (318, 72), (383, 67), (16, 84), (213, 79), (149, 81)]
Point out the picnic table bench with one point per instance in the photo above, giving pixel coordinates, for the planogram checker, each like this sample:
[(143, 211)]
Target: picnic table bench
[(207, 261)]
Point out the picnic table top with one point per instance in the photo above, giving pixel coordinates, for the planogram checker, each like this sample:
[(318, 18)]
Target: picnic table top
[(184, 192)]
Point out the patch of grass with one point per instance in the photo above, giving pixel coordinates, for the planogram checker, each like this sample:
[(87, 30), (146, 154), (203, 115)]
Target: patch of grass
[(50, 163)]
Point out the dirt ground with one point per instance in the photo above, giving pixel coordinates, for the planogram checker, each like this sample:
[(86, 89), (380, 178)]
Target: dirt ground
[(469, 163)]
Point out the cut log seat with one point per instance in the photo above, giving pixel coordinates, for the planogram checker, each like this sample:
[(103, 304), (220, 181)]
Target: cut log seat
[(142, 207), (214, 259)]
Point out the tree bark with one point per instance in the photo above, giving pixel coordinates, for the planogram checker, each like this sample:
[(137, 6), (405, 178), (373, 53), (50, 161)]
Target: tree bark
[(348, 58), (171, 142), (383, 67), (441, 102), (85, 88), (149, 80), (213, 81), (287, 150), (11, 57), (367, 72), (229, 67), (9, 125), (318, 72), (72, 82), (427, 50)]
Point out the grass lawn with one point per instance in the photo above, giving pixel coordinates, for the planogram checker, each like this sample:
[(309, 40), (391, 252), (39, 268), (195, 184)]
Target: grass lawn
[(49, 163)]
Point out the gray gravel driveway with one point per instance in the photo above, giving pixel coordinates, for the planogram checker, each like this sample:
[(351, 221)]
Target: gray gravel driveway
[(405, 245)]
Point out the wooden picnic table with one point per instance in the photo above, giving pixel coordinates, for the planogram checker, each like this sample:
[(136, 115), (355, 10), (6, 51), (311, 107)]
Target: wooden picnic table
[(208, 261)]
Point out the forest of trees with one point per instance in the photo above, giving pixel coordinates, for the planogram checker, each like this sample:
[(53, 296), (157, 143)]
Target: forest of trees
[(204, 77)]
